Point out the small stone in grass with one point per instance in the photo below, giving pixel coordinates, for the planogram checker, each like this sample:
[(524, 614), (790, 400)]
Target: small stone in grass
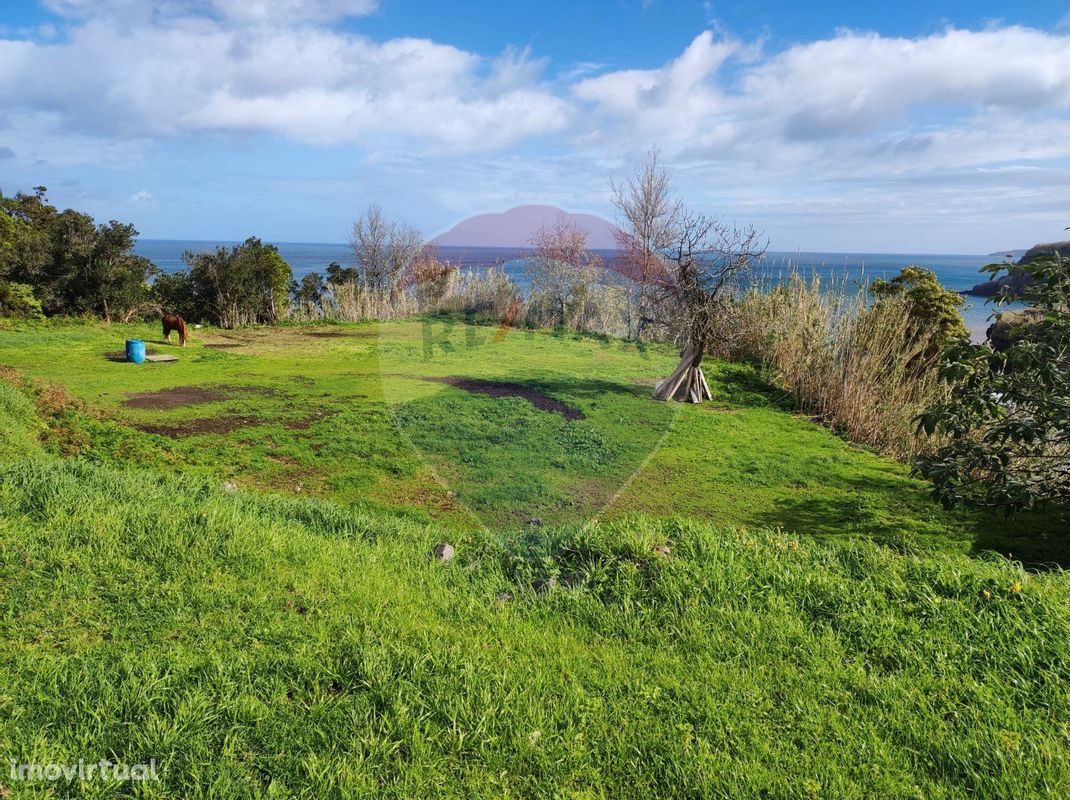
[(443, 552), (573, 581), (230, 486), (546, 585), (535, 522), (663, 550)]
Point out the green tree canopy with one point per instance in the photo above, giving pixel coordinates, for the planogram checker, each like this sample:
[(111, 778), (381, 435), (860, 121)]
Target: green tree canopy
[(73, 265), (234, 286), (931, 305)]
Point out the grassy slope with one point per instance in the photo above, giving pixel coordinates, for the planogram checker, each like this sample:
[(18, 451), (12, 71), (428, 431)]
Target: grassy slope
[(259, 646), (331, 427)]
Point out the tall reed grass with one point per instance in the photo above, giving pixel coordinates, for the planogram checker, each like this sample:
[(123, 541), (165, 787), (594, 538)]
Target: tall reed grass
[(488, 292), (864, 368)]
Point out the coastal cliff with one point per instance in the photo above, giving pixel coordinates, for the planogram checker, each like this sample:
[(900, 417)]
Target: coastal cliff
[(1016, 284)]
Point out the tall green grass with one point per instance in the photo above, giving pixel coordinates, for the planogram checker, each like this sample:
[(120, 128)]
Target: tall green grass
[(260, 646)]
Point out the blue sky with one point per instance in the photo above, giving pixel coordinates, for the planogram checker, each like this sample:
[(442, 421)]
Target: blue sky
[(913, 127)]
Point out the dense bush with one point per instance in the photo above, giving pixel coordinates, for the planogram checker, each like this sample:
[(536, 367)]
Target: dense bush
[(1006, 416), (17, 301), (936, 310), (243, 284)]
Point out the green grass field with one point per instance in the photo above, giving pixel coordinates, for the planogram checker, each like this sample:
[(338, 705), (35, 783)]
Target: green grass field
[(355, 414), (758, 609)]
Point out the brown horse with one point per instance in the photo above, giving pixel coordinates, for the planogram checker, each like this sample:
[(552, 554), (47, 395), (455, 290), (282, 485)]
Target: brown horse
[(173, 322)]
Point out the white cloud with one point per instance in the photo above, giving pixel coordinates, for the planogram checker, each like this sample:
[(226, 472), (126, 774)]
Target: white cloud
[(849, 122), (142, 197), (856, 83), (852, 87), (312, 84), (241, 11), (685, 87), (857, 96)]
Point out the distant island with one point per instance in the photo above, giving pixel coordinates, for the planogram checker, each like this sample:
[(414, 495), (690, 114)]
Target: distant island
[(515, 227)]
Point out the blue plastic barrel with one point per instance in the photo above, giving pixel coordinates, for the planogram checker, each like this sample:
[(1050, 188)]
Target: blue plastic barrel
[(135, 350)]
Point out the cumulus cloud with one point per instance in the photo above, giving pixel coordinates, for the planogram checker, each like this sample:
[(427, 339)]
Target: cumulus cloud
[(852, 87), (133, 68), (312, 84), (686, 88), (855, 109), (856, 83), (243, 11), (142, 197)]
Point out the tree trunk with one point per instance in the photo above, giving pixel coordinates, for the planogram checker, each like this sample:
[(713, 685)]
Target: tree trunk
[(687, 383)]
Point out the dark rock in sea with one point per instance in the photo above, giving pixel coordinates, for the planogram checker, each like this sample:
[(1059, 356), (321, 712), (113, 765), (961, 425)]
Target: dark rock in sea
[(1012, 285), (1011, 327), (1015, 285)]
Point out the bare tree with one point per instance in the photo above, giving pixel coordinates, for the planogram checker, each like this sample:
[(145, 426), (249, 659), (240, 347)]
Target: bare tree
[(383, 250), (649, 216), (562, 269), (707, 259)]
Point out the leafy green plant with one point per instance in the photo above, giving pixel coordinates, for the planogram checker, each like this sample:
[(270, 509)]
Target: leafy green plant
[(17, 301), (1006, 417), (244, 284), (929, 304)]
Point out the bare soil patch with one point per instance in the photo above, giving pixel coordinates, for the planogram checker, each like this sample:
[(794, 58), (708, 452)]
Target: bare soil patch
[(196, 427), (340, 334), (179, 396), (166, 399), (541, 401)]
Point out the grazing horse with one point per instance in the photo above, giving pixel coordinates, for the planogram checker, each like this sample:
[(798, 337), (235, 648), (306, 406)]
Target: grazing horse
[(173, 322)]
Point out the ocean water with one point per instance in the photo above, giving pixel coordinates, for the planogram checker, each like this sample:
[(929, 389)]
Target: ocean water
[(957, 272)]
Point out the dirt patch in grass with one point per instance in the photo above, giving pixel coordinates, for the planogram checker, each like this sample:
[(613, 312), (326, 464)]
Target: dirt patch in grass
[(223, 345), (282, 458), (179, 396), (197, 427), (339, 334), (541, 401)]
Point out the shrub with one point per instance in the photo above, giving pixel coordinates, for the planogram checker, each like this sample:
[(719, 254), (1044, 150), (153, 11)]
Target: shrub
[(1006, 414), (244, 284), (17, 301), (175, 293)]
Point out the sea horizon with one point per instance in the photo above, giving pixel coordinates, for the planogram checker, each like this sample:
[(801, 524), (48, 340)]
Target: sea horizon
[(956, 271)]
